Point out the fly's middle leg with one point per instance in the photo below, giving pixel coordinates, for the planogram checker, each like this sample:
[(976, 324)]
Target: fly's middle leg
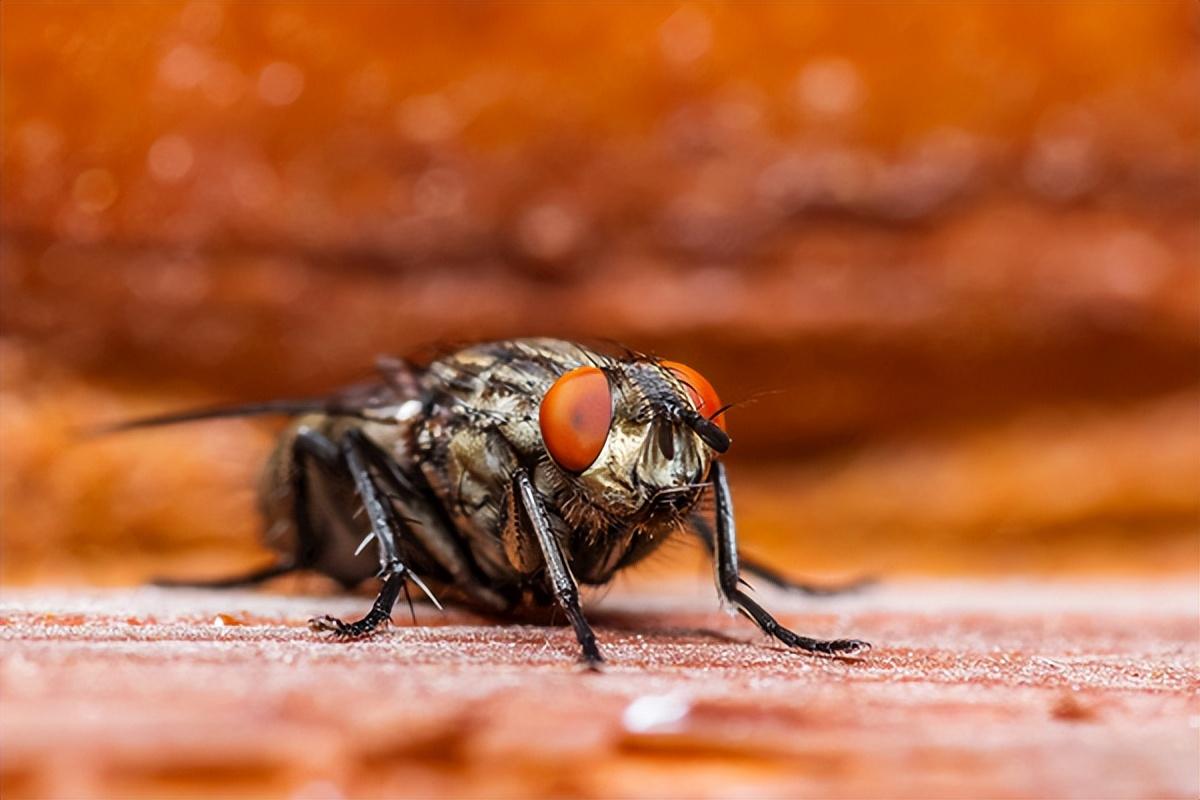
[(703, 530), (430, 528), (385, 529)]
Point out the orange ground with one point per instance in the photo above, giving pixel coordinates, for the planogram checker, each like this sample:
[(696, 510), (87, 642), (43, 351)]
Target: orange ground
[(973, 689)]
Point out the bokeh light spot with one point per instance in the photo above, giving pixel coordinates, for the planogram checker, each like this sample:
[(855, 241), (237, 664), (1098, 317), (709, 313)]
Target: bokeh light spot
[(170, 158), (280, 83), (94, 190)]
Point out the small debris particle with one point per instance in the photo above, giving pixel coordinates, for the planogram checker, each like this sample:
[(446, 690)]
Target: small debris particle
[(1069, 709), (655, 712)]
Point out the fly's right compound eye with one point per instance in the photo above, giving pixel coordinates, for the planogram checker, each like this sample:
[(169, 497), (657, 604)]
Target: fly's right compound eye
[(575, 417), (703, 395)]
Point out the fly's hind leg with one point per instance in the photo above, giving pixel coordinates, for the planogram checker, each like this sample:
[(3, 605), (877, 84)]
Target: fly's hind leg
[(385, 529), (703, 530), (307, 446), (244, 580), (728, 581)]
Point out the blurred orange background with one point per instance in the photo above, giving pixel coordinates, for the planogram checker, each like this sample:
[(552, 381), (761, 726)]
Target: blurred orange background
[(947, 253)]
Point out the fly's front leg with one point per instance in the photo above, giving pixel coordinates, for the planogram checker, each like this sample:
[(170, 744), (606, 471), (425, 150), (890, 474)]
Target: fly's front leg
[(703, 530), (728, 581), (562, 582), (385, 529)]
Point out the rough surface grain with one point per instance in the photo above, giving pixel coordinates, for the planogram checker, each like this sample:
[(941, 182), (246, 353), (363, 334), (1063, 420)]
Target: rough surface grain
[(980, 689)]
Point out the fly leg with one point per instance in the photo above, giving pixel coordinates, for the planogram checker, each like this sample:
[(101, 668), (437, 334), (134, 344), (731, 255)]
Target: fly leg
[(728, 582), (242, 580), (781, 581), (562, 582), (385, 529), (379, 615), (703, 530), (431, 529), (308, 446)]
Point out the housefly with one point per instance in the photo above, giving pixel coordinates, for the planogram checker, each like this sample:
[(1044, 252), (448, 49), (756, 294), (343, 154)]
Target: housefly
[(500, 477)]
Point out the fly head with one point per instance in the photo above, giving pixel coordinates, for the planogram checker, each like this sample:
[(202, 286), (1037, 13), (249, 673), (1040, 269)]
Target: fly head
[(635, 437)]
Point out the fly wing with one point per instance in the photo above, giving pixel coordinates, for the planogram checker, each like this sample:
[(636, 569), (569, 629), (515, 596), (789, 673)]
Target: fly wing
[(270, 407), (400, 382)]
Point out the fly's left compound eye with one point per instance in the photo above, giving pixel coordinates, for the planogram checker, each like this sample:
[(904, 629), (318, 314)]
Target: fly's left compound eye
[(575, 417), (703, 395)]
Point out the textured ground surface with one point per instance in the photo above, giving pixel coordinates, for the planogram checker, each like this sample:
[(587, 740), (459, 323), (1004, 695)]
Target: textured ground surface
[(983, 689)]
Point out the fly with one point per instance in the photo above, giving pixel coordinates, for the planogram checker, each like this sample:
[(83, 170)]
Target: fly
[(503, 476)]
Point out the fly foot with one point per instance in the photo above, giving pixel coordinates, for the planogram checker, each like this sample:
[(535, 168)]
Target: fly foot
[(346, 631), (591, 660), (839, 648), (847, 647)]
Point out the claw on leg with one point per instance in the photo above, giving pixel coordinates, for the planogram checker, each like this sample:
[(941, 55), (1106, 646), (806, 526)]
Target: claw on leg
[(348, 631), (379, 616), (841, 648), (849, 647)]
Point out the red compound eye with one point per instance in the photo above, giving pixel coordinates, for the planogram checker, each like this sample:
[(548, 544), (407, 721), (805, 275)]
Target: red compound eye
[(704, 396), (575, 416)]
